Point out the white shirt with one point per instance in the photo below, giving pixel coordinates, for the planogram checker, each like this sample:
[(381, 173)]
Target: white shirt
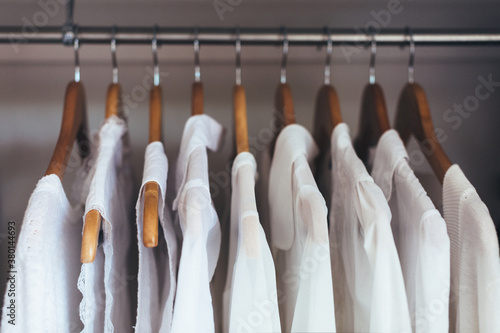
[(110, 192), (368, 282), (250, 296), (47, 264), (475, 262), (158, 265), (299, 232), (199, 223), (419, 233)]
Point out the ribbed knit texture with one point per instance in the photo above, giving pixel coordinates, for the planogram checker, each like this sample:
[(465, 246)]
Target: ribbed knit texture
[(475, 262)]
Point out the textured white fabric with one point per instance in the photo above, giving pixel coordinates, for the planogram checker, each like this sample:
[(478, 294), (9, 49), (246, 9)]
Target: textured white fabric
[(475, 262), (368, 282), (47, 264), (199, 223), (110, 192), (419, 233), (158, 265), (299, 232), (250, 296)]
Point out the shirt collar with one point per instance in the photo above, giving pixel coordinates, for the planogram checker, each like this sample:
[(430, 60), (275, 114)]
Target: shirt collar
[(293, 141), (389, 152), (345, 162)]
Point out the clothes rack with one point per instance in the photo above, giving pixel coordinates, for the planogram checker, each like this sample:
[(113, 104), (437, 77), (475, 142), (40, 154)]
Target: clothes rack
[(247, 36)]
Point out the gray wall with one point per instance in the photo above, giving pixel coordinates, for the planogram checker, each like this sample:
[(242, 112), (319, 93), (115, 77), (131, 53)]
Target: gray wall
[(33, 79)]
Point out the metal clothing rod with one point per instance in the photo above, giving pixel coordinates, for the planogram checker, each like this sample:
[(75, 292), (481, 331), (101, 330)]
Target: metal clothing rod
[(247, 36)]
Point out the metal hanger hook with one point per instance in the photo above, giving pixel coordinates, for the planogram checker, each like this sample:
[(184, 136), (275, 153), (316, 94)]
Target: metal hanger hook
[(156, 68), (238, 57), (196, 44), (285, 56), (373, 53), (411, 64), (76, 45), (113, 55), (329, 49)]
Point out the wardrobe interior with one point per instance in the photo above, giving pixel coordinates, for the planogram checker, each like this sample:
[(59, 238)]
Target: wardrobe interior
[(33, 78)]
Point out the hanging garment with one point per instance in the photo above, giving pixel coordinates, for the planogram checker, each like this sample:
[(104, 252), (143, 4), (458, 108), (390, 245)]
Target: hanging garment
[(299, 232), (112, 306), (250, 296), (47, 264), (193, 311), (158, 265), (475, 262), (419, 234), (368, 282)]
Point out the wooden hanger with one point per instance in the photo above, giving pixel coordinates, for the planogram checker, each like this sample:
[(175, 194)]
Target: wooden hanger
[(327, 113), (413, 116), (284, 114), (197, 99), (151, 189), (73, 127), (374, 120), (283, 101), (240, 106), (74, 124), (93, 218), (113, 101), (240, 119)]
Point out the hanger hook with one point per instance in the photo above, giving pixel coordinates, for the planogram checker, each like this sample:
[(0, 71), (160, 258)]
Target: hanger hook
[(373, 52), (329, 49), (197, 73), (238, 57), (113, 55), (156, 68), (411, 64), (285, 55), (76, 45)]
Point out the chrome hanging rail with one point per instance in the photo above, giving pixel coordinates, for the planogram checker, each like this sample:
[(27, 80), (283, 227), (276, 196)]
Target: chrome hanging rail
[(247, 36)]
